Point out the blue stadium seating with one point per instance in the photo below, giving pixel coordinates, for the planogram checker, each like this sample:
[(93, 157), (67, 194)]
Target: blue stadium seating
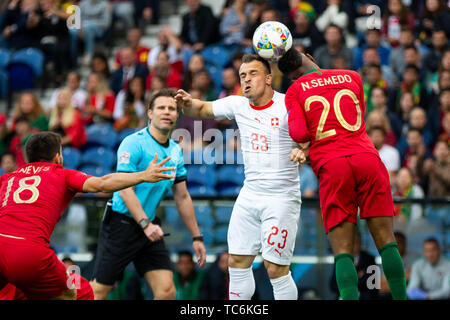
[(32, 57), (199, 191), (102, 134), (228, 190), (216, 55), (20, 77), (201, 175), (4, 83), (72, 158), (223, 214), (100, 156), (94, 170), (203, 216), (233, 174), (5, 56), (216, 75), (220, 234)]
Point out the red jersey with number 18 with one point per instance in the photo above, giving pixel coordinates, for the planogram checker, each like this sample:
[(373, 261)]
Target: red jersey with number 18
[(327, 108), (33, 197)]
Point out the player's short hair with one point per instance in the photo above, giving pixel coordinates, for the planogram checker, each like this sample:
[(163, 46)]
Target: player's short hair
[(290, 61), (43, 146), (165, 92), (250, 57)]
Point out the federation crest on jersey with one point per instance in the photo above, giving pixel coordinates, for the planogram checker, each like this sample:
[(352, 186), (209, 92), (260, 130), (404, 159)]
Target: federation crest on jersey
[(275, 123), (124, 158)]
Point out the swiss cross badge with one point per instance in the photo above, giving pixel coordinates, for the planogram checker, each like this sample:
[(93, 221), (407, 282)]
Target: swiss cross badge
[(275, 122)]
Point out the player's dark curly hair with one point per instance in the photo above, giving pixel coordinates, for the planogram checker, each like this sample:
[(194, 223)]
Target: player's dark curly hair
[(42, 147), (291, 60)]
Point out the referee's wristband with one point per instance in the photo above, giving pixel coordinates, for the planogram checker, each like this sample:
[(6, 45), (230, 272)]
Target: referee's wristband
[(197, 238)]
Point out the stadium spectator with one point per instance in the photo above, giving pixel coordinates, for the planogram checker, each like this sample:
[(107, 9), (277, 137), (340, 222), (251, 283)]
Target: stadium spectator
[(408, 258), (169, 42), (196, 63), (405, 187), (79, 95), (411, 83), (199, 26), (21, 24), (396, 16), (372, 77), (187, 278), (7, 162), (215, 282), (129, 69), (202, 82), (123, 10), (260, 13), (436, 111), (334, 47), (371, 56), (305, 32), (22, 132), (415, 145), (55, 41), (362, 260), (439, 44), (373, 38), (129, 109), (379, 119), (430, 275), (66, 120), (230, 83), (166, 71), (435, 16), (3, 133), (404, 108), (95, 21), (100, 65), (99, 105), (28, 105), (335, 13), (146, 11), (379, 101), (134, 36), (417, 120), (445, 135), (234, 23), (388, 154), (438, 171)]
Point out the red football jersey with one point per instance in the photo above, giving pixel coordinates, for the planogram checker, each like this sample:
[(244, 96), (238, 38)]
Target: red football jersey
[(327, 108), (33, 198)]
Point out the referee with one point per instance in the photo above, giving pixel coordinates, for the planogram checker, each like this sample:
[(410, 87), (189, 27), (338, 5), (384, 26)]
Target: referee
[(130, 231)]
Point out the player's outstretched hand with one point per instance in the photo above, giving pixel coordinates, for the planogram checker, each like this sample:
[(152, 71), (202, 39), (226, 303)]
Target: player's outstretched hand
[(298, 155), (184, 99), (154, 171)]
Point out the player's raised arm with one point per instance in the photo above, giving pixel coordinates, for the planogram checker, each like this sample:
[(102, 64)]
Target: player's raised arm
[(121, 180), (194, 108)]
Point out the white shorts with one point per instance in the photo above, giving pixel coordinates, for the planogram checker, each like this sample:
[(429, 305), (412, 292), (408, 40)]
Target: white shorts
[(266, 224)]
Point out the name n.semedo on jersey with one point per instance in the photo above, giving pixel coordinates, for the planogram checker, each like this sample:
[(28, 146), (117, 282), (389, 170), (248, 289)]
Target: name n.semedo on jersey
[(321, 82)]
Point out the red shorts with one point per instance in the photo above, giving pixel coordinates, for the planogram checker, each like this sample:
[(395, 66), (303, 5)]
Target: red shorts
[(34, 269), (346, 183)]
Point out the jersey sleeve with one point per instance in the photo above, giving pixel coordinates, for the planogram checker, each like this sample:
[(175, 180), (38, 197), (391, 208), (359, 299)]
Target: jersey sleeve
[(75, 179), (298, 128), (129, 155), (225, 107)]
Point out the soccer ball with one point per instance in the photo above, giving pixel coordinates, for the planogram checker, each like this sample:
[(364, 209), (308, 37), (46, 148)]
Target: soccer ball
[(271, 40)]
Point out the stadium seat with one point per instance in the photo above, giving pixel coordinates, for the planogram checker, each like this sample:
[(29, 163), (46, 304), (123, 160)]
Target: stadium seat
[(4, 83), (100, 156), (20, 77), (201, 175), (32, 57), (208, 235), (72, 158), (5, 56), (216, 75), (228, 190), (216, 55), (220, 235), (102, 134), (203, 216), (223, 214), (94, 170), (202, 191), (231, 174)]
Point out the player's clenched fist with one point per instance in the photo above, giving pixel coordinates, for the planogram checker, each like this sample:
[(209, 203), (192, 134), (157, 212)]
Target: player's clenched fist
[(298, 155), (154, 172)]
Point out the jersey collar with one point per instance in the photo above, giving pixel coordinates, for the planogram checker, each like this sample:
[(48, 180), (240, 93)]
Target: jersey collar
[(259, 108), (313, 70), (165, 145)]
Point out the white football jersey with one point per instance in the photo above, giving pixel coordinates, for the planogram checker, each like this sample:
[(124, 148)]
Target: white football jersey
[(265, 142)]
